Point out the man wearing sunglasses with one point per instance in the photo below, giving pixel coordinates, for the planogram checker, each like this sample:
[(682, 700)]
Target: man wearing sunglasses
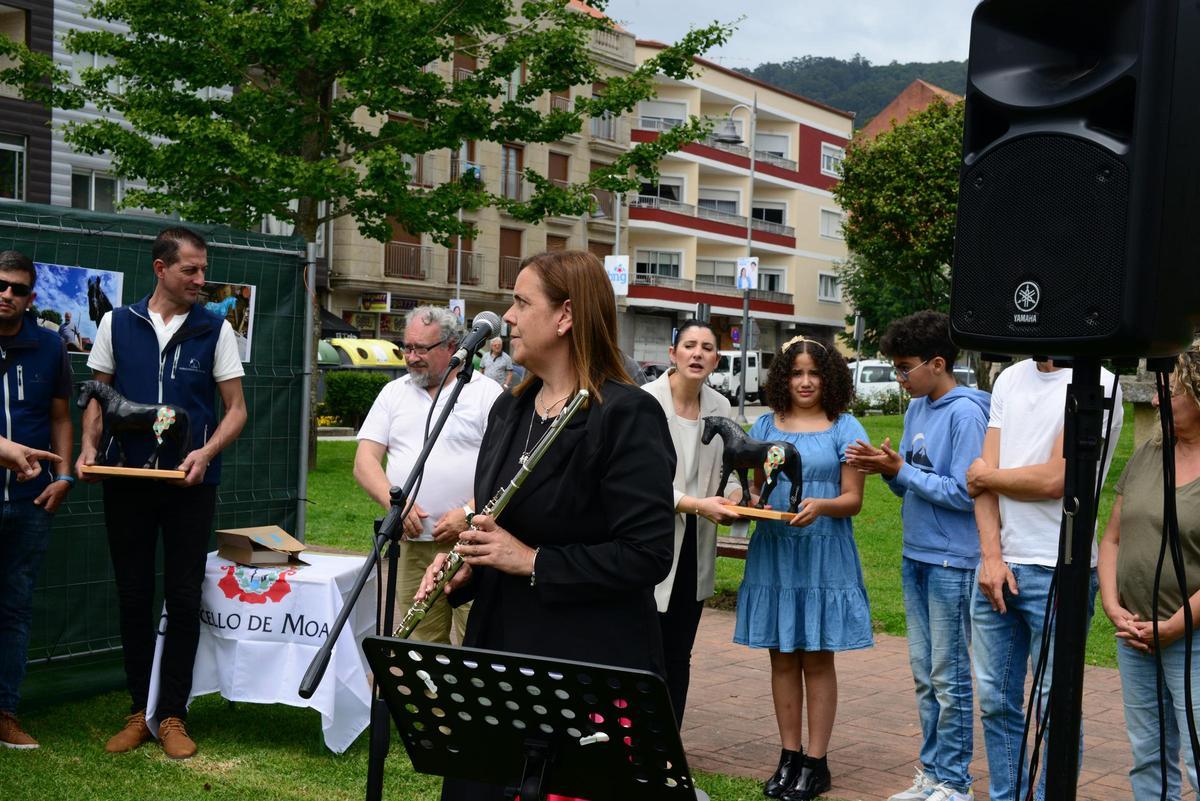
[(34, 412), (395, 428)]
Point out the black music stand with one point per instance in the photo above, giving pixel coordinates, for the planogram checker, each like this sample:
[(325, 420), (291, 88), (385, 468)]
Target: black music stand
[(532, 724)]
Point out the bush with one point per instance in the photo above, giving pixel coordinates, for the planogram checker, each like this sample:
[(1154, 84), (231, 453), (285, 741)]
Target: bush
[(350, 393), (885, 403)]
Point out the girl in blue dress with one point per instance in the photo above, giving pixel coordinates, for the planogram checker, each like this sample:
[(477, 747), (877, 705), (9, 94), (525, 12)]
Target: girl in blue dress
[(803, 595)]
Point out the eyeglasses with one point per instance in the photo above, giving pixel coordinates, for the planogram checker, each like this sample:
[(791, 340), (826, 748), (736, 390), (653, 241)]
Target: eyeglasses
[(18, 290), (903, 374), (422, 350)]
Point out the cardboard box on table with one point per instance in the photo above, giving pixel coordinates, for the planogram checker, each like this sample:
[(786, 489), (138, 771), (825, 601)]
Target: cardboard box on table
[(259, 545)]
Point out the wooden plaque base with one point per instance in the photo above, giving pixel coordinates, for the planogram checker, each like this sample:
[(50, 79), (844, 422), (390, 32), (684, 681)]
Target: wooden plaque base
[(760, 514), (130, 472)]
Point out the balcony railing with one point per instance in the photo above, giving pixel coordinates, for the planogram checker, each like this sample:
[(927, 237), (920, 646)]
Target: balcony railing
[(655, 202), (771, 295), (458, 168), (654, 279), (720, 216), (463, 73), (740, 150), (658, 123), (607, 40), (512, 184), (773, 227), (776, 159), (724, 285), (471, 265), (604, 128), (404, 260), (509, 267), (560, 103)]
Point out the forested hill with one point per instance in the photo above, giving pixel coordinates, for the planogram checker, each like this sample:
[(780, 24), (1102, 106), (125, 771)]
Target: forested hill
[(857, 85)]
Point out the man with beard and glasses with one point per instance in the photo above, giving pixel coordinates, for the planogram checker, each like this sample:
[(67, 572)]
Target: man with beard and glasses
[(395, 427)]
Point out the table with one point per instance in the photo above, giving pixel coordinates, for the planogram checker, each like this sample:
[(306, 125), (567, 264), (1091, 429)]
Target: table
[(261, 626)]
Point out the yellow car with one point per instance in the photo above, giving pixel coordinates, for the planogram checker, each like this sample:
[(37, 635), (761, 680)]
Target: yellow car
[(368, 353)]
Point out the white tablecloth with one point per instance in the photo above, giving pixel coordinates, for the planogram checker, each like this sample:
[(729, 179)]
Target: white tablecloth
[(261, 626)]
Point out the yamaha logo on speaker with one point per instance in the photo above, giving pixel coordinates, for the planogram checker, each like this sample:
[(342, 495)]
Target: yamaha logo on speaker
[(1026, 299)]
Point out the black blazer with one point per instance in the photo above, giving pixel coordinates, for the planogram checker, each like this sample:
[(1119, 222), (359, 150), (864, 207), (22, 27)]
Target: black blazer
[(600, 507)]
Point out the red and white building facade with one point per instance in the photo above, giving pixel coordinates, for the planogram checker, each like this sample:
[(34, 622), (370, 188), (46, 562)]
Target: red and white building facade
[(686, 232)]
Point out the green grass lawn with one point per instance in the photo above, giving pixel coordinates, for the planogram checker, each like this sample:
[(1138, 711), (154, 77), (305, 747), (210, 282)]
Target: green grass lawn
[(247, 751)]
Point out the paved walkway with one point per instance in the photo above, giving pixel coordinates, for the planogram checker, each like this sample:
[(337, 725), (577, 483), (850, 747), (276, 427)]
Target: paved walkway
[(730, 722)]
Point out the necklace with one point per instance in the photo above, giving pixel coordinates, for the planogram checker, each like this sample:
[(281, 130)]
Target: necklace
[(524, 457), (549, 407)]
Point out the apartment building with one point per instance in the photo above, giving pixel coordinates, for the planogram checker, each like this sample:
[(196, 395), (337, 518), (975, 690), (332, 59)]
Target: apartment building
[(372, 284), (687, 231), (24, 127)]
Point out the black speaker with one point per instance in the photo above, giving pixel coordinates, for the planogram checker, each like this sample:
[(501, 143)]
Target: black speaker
[(1079, 197)]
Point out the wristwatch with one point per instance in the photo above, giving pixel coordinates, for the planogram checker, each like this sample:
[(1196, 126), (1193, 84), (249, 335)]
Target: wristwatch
[(69, 479)]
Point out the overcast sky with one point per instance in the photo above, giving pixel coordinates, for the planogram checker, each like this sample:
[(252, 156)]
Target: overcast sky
[(776, 30)]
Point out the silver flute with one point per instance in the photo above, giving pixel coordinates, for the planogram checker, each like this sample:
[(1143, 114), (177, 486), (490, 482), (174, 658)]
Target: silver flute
[(493, 509)]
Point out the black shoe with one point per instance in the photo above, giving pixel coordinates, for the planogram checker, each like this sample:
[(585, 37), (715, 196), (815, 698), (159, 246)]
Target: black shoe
[(814, 780), (786, 774)]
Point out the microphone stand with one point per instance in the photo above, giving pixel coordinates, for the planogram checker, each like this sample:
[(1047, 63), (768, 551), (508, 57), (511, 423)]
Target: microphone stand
[(387, 532)]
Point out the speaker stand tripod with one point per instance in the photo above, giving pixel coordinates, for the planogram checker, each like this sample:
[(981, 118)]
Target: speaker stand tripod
[(1083, 444)]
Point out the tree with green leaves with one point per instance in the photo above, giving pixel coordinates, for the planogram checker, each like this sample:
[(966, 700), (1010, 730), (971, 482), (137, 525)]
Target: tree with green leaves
[(900, 195), (310, 110)]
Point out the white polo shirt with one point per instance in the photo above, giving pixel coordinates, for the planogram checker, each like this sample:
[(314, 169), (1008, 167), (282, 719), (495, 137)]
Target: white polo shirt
[(227, 363), (397, 421)]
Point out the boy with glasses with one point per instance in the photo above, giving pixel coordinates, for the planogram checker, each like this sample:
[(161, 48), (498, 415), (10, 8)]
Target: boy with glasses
[(944, 429)]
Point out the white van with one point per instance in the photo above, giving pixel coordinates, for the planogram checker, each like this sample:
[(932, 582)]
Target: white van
[(873, 379), (727, 378)]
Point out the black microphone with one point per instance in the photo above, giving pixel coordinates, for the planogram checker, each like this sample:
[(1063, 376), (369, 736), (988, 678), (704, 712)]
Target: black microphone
[(485, 326)]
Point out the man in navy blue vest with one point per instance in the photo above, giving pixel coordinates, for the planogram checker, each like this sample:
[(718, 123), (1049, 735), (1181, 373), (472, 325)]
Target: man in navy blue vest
[(166, 348), (35, 390)]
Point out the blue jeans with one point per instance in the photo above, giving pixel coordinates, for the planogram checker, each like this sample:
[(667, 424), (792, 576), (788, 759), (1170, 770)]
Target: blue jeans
[(1141, 716), (1004, 646), (24, 536), (937, 603)]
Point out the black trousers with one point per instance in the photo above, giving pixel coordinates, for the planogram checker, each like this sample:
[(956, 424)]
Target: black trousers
[(681, 621), (136, 512)]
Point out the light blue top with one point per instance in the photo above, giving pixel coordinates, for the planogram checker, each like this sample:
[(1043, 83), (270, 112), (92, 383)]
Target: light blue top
[(941, 439)]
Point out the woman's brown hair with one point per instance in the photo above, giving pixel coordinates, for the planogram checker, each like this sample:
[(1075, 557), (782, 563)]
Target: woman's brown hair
[(578, 276)]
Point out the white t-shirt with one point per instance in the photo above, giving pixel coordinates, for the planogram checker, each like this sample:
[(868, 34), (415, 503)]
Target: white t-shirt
[(397, 421), (226, 362), (1028, 407), (690, 454)]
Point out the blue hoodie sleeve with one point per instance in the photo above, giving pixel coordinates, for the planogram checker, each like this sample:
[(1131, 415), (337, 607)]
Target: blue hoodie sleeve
[(968, 426)]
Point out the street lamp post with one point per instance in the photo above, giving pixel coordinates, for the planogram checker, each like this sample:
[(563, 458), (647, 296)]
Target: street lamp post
[(729, 135)]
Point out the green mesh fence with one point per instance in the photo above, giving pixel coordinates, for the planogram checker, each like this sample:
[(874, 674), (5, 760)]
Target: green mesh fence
[(75, 610)]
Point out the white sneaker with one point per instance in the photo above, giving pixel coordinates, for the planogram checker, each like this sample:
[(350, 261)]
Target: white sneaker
[(941, 792), (921, 787)]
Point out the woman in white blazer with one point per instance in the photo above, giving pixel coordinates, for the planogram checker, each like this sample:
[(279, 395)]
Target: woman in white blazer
[(686, 399)]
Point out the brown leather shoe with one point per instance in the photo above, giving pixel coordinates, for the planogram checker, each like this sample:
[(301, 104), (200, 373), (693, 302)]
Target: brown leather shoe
[(175, 741), (12, 735), (134, 734)]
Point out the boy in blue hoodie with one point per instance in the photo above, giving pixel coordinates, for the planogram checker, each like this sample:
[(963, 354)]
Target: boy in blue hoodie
[(943, 433)]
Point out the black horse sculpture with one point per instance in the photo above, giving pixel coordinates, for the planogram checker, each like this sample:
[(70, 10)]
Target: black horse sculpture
[(740, 453), (162, 421)]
